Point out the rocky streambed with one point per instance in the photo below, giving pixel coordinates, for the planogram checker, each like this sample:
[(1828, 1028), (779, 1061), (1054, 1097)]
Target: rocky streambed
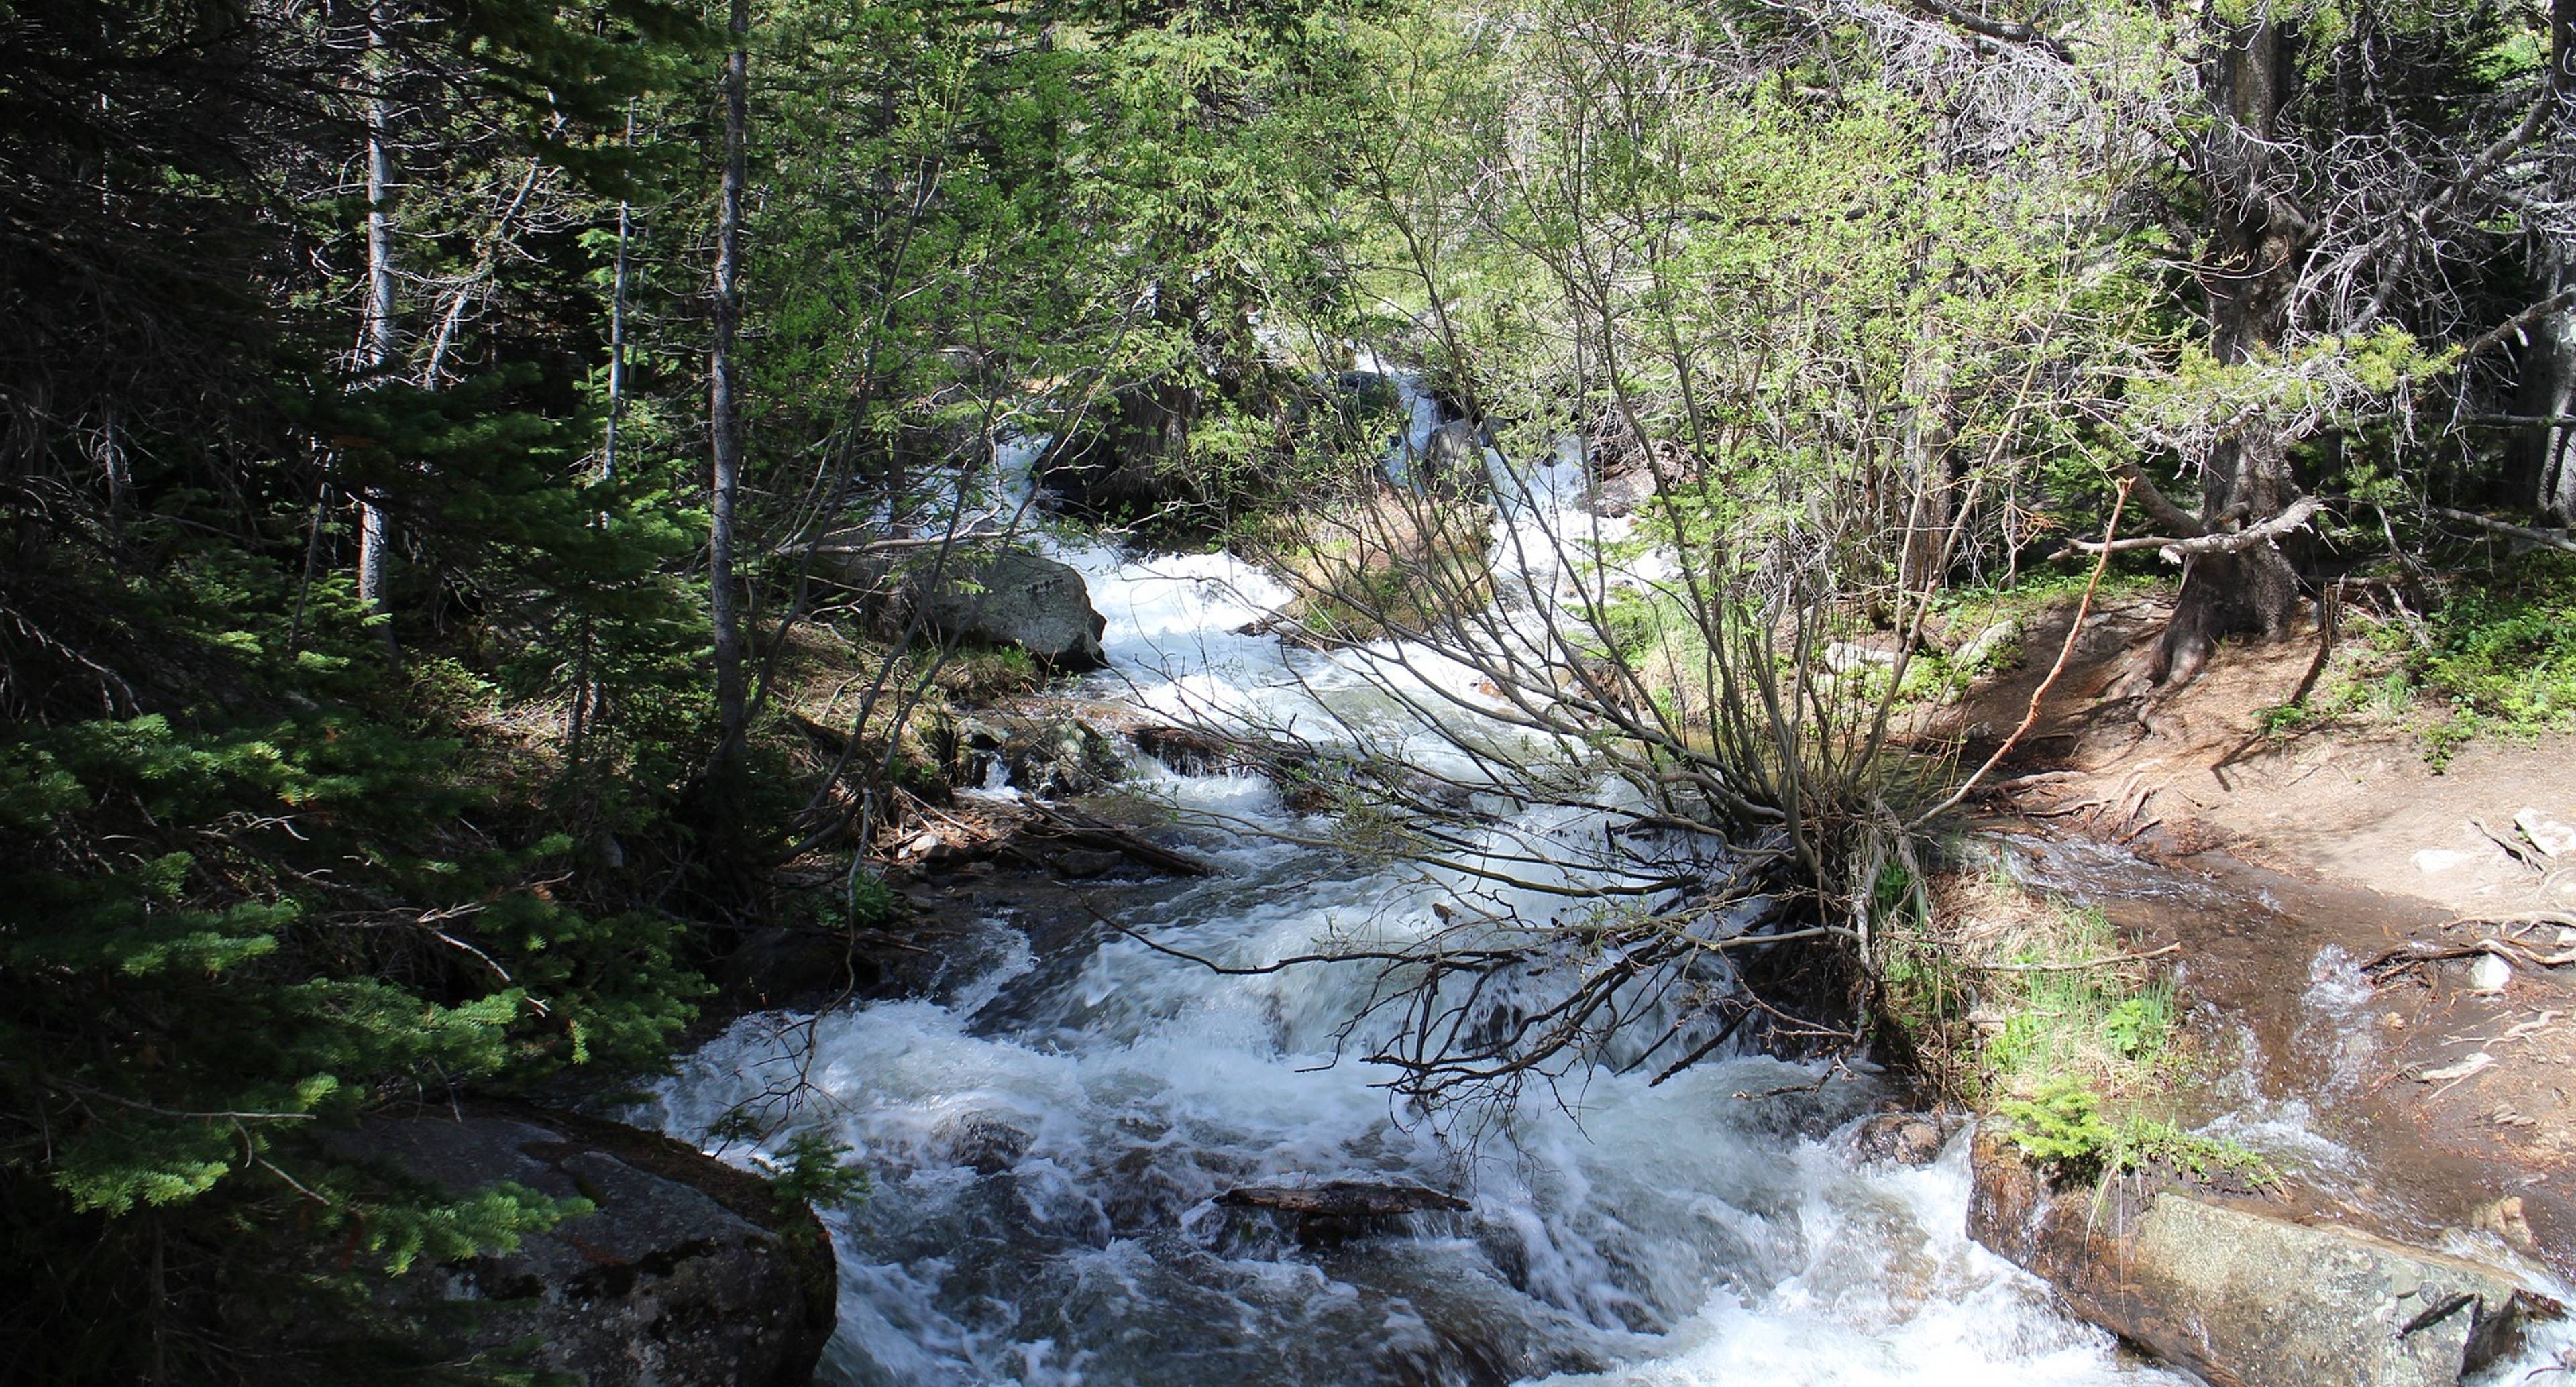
[(1119, 1136), (1064, 1114)]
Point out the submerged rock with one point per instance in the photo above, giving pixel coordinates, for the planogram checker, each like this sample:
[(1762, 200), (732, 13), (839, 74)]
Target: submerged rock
[(1454, 455), (1344, 1199), (1901, 1138), (687, 1273), (2248, 1299), (1365, 394), (1043, 753), (987, 1145)]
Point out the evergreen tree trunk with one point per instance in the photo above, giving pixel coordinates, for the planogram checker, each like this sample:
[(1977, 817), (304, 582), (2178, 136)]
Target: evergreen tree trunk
[(577, 721), (378, 344), (723, 408), (2257, 235), (2546, 465)]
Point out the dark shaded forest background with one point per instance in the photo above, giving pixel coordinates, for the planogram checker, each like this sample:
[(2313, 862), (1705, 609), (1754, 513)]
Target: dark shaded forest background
[(430, 431)]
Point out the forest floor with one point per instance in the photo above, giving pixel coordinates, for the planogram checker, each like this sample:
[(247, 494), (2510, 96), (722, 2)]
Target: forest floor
[(2376, 940)]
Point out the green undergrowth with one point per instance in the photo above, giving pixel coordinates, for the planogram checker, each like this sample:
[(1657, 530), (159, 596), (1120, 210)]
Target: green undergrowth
[(2495, 657), (1944, 669), (2033, 1010), (2065, 1126), (1963, 611)]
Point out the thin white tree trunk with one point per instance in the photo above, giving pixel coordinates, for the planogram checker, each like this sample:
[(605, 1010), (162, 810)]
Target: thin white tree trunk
[(2552, 394), (617, 325), (723, 410), (378, 344)]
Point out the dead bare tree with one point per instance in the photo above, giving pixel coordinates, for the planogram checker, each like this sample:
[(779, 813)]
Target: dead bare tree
[(1659, 750), (724, 411), (380, 338)]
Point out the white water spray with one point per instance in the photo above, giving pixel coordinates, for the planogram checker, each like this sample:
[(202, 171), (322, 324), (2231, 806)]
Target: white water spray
[(1049, 1137)]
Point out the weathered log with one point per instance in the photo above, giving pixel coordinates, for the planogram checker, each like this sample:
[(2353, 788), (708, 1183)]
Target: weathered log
[(1056, 823), (1344, 1199)]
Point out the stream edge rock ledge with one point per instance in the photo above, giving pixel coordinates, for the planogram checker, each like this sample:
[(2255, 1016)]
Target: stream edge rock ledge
[(689, 1272), (2249, 1299)]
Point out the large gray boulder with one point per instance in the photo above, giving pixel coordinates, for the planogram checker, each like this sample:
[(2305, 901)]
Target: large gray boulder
[(688, 1273), (2247, 1298), (1013, 598)]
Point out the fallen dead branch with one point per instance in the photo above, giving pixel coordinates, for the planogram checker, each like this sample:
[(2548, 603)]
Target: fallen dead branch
[(1055, 823), (2039, 696), (2106, 961), (2412, 955)]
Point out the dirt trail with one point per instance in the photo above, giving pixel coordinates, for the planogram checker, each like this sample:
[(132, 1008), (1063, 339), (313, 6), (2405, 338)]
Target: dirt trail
[(2285, 867)]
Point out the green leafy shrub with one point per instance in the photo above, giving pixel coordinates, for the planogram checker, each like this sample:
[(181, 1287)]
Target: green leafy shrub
[(2503, 657), (2495, 657), (2064, 1126), (2061, 1125), (815, 1169)]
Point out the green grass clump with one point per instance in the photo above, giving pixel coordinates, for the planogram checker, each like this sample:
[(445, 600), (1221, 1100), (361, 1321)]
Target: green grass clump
[(2084, 1048), (2064, 1019)]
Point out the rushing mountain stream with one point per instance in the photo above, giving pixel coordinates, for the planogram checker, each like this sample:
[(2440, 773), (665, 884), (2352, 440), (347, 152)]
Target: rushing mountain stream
[(1048, 1133), (1048, 1136), (1050, 1130)]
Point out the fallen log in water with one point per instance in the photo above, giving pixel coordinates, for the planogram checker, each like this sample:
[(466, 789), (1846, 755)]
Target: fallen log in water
[(1057, 823), (1344, 1199)]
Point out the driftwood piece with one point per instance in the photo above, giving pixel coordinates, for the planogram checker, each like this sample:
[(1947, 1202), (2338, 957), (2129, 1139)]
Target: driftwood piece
[(1055, 823), (1344, 1199)]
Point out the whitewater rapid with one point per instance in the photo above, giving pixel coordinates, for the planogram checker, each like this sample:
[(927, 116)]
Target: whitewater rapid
[(1048, 1132)]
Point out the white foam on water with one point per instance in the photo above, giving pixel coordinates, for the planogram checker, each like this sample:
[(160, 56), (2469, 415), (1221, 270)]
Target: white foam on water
[(1048, 1143)]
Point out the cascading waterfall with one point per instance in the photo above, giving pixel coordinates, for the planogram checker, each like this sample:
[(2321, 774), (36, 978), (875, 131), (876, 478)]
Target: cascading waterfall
[(1049, 1132)]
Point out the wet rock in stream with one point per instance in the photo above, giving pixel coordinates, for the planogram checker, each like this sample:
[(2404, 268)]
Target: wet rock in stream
[(1902, 1138), (987, 1146), (2244, 1298), (687, 1271), (1338, 1210), (1343, 1199)]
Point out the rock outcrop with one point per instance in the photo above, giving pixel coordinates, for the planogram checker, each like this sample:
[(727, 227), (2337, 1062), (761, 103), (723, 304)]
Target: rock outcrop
[(978, 592), (688, 1272), (1011, 598), (2245, 1298), (1130, 461)]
